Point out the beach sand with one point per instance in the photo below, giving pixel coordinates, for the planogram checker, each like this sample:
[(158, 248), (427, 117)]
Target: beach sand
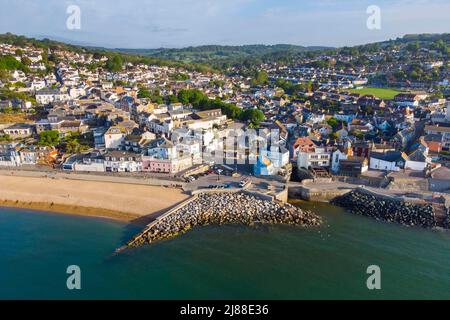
[(119, 201)]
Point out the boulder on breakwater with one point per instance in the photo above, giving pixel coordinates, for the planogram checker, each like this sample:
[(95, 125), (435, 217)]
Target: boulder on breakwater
[(380, 207), (446, 223), (223, 209)]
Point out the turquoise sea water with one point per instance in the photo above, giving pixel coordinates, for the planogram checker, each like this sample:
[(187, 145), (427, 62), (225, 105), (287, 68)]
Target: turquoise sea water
[(221, 262)]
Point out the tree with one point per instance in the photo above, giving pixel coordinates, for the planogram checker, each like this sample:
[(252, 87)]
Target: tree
[(254, 116), (154, 96), (49, 138), (120, 83), (195, 97), (26, 61), (179, 76), (114, 64), (356, 133), (19, 84), (4, 75), (260, 78), (413, 46), (10, 63), (333, 122), (172, 99), (73, 146), (8, 110), (5, 137), (144, 93)]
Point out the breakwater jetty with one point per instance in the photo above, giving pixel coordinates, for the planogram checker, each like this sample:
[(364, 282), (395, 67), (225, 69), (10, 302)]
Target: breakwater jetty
[(224, 209), (387, 208)]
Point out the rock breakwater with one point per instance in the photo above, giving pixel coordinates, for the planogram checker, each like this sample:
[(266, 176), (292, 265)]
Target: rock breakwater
[(383, 208), (225, 209), (447, 218)]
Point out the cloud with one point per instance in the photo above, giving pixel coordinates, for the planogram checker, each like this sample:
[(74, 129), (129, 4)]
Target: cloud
[(178, 23)]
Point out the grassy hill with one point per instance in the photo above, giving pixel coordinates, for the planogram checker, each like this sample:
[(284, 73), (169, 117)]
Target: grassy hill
[(220, 55)]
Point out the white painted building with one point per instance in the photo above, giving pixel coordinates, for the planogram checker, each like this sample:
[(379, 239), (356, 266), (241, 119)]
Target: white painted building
[(46, 96), (386, 161), (122, 161), (317, 157), (114, 137)]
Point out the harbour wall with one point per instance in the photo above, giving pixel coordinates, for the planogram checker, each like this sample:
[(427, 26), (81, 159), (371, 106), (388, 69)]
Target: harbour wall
[(308, 193)]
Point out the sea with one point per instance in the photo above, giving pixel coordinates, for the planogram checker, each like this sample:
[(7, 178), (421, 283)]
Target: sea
[(227, 262)]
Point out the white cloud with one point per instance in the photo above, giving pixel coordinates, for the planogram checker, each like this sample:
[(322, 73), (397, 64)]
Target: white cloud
[(176, 23)]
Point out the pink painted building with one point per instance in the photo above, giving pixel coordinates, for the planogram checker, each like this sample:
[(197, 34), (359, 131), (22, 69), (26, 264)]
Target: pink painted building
[(150, 164)]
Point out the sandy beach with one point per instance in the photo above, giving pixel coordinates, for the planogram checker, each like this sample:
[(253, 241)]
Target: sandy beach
[(119, 201)]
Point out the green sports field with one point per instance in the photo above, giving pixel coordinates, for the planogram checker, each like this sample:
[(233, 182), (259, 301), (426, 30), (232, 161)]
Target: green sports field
[(380, 93)]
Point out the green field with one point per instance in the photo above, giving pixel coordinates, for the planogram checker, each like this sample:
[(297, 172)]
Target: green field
[(380, 93)]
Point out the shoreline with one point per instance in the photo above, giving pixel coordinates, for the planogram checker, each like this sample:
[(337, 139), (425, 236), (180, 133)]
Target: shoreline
[(134, 203), (80, 211)]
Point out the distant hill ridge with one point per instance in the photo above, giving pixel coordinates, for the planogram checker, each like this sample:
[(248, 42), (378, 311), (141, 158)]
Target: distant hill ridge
[(216, 57)]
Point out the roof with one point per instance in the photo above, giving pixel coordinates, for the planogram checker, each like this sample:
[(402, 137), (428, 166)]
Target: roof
[(437, 129), (390, 156), (167, 144), (304, 142), (47, 91), (209, 113), (121, 154), (418, 156), (433, 138), (116, 130), (353, 161), (442, 173), (19, 126)]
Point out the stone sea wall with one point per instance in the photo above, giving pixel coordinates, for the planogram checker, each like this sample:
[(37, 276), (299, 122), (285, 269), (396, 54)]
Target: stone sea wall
[(380, 207), (225, 209), (308, 193)]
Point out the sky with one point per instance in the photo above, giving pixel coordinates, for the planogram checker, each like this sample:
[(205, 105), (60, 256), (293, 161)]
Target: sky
[(182, 23)]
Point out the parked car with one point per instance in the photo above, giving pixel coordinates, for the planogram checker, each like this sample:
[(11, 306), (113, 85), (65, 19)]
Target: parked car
[(244, 183)]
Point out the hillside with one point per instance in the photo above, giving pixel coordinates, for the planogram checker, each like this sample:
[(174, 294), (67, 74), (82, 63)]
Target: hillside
[(221, 53), (216, 57), (45, 44)]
